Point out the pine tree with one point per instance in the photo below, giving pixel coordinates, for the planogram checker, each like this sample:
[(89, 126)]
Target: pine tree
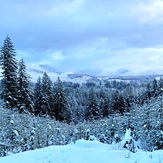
[(9, 73), (25, 93), (149, 122), (160, 86), (47, 105), (93, 110), (37, 97), (61, 105), (147, 94), (160, 90), (154, 88), (106, 107), (118, 103)]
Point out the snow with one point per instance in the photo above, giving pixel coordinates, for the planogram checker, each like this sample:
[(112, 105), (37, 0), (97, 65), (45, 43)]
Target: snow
[(63, 76), (127, 137), (16, 132), (11, 122), (84, 152)]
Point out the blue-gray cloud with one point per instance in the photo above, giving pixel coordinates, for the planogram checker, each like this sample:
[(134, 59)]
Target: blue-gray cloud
[(81, 34)]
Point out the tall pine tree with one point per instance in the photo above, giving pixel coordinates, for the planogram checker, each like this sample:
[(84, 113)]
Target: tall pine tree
[(37, 97), (105, 107), (46, 105), (25, 92), (118, 103), (93, 110), (61, 105), (9, 73)]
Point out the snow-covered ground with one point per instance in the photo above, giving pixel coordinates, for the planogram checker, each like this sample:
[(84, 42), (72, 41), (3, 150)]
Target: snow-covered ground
[(84, 152)]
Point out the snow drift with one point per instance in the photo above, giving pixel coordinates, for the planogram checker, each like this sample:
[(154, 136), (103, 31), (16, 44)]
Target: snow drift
[(84, 152)]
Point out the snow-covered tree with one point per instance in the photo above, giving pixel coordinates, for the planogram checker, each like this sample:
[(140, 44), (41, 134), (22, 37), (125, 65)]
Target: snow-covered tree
[(12, 138), (25, 92), (118, 103), (9, 73), (61, 105), (154, 88), (37, 96), (93, 110), (105, 107), (146, 96), (148, 126), (47, 104)]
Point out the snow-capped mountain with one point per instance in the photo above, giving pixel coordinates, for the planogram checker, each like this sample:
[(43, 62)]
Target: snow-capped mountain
[(83, 77), (54, 74)]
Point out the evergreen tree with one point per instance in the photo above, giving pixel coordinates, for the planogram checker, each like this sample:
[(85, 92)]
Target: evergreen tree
[(160, 90), (160, 86), (9, 73), (93, 110), (37, 96), (147, 94), (47, 105), (154, 88), (118, 103), (61, 105), (106, 107), (25, 93), (149, 123)]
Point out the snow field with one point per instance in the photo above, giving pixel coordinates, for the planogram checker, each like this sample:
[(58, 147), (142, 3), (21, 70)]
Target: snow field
[(84, 152)]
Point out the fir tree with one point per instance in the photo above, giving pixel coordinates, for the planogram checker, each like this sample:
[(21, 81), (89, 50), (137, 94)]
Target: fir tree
[(25, 93), (9, 73), (61, 105), (160, 84), (106, 107), (93, 110), (154, 88), (147, 94), (37, 96), (118, 103), (47, 105)]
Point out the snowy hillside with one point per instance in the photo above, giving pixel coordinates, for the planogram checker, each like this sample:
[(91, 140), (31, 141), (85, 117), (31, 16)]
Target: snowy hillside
[(84, 152), (120, 75), (54, 74)]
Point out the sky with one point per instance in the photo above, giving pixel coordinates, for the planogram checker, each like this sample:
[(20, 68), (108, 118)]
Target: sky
[(96, 36)]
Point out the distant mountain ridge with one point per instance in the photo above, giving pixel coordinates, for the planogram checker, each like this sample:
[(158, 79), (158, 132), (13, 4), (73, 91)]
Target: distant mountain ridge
[(79, 77)]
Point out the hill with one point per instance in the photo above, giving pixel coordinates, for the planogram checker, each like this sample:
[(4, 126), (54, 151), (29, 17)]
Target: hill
[(84, 152)]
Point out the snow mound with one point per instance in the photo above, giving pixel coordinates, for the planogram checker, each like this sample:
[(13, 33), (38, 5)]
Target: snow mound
[(89, 144), (83, 152)]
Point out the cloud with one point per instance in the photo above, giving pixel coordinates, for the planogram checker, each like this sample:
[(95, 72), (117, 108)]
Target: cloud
[(149, 12), (142, 59), (59, 24), (55, 55), (102, 60), (79, 35)]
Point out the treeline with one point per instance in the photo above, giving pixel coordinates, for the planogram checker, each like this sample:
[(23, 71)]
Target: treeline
[(67, 101), (22, 132)]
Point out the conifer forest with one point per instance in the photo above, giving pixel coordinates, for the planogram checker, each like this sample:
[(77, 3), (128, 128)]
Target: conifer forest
[(38, 114)]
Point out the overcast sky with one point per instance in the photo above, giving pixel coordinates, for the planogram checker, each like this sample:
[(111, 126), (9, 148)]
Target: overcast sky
[(77, 35)]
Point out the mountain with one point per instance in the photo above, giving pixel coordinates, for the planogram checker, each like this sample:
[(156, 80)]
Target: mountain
[(83, 77), (64, 76)]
